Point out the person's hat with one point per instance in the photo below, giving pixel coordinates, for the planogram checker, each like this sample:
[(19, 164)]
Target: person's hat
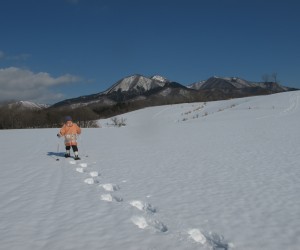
[(68, 118)]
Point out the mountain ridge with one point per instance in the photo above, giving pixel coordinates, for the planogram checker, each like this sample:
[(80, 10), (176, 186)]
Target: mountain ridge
[(129, 94), (158, 90), (138, 87)]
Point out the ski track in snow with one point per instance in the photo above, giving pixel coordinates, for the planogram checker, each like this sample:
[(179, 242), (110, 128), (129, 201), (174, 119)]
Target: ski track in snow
[(147, 220)]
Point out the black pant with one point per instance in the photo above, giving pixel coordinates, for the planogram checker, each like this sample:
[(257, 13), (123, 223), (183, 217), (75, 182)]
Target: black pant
[(74, 147)]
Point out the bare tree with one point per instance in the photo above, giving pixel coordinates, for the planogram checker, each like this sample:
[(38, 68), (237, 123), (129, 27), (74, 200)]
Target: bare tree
[(86, 118), (274, 77), (118, 122)]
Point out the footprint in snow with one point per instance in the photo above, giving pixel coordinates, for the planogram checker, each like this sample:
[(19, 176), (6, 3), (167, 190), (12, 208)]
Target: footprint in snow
[(210, 239), (80, 170), (197, 236), (94, 174), (143, 223), (147, 207), (140, 222), (91, 181), (83, 165), (110, 198), (110, 187), (83, 170)]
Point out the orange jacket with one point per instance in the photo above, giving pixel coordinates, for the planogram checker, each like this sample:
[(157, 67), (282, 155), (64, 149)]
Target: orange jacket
[(70, 131)]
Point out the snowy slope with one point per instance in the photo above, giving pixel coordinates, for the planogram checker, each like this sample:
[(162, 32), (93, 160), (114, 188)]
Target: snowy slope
[(210, 175)]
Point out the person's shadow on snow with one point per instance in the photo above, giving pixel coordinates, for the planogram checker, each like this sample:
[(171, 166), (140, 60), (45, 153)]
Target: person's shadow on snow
[(53, 154)]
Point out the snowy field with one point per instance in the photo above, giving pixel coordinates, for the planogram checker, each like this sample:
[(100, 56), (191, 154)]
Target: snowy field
[(216, 175)]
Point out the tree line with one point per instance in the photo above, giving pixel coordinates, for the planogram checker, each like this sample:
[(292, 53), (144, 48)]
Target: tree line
[(17, 118), (86, 117)]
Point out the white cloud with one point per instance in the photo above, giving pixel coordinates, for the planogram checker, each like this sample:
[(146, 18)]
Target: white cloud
[(22, 84)]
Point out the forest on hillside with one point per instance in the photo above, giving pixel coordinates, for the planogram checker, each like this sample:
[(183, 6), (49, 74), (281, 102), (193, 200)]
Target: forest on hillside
[(86, 117)]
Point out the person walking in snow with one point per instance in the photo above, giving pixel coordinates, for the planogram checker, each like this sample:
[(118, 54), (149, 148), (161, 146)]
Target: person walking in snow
[(70, 131)]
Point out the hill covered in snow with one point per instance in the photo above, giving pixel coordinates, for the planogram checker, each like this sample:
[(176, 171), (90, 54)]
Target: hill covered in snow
[(214, 175)]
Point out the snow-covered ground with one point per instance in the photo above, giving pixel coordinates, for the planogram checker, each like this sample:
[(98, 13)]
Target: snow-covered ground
[(216, 175)]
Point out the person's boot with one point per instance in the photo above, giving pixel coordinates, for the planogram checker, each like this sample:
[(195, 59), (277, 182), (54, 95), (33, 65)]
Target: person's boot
[(76, 156)]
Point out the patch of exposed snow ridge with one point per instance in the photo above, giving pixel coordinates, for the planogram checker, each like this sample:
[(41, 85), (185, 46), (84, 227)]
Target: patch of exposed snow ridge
[(29, 105), (159, 78)]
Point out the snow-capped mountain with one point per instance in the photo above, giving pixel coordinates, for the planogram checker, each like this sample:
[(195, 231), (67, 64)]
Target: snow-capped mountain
[(137, 83), (222, 83), (158, 90), (129, 88), (235, 83)]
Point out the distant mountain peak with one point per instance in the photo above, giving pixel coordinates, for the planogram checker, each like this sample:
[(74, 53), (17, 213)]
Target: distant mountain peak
[(137, 83), (217, 82)]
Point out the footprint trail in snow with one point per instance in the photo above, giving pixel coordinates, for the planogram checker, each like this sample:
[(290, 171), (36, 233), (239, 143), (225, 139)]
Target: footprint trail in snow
[(147, 219)]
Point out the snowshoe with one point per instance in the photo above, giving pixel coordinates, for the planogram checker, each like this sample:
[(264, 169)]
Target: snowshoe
[(76, 158)]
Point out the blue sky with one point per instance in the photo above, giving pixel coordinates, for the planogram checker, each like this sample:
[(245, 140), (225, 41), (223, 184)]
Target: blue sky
[(51, 50)]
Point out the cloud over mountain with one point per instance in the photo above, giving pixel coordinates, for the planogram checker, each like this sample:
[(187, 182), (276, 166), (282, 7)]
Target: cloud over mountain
[(19, 84)]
